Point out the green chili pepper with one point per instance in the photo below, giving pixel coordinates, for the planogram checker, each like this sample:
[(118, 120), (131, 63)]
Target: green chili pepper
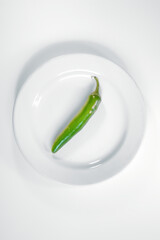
[(79, 121)]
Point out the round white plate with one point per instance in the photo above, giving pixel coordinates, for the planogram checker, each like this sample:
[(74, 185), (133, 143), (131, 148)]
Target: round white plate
[(51, 97)]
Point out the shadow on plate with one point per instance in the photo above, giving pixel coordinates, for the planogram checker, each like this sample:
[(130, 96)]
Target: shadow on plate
[(63, 48)]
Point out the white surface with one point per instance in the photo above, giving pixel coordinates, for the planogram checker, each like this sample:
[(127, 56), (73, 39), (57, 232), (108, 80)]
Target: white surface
[(124, 207), (50, 98)]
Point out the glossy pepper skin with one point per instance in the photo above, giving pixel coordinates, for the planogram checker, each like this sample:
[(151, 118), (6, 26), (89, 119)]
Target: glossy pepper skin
[(79, 121)]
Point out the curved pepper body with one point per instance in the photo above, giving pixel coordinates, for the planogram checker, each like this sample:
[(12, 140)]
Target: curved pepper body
[(79, 121)]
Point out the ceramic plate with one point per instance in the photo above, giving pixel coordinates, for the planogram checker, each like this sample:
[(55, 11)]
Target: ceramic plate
[(51, 97)]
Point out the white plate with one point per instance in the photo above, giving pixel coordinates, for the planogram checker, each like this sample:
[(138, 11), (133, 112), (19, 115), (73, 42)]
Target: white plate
[(50, 98)]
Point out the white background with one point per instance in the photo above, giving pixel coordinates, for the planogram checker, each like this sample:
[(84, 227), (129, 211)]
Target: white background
[(124, 207)]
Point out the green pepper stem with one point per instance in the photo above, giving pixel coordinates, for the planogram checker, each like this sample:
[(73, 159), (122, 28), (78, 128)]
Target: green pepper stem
[(96, 92)]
